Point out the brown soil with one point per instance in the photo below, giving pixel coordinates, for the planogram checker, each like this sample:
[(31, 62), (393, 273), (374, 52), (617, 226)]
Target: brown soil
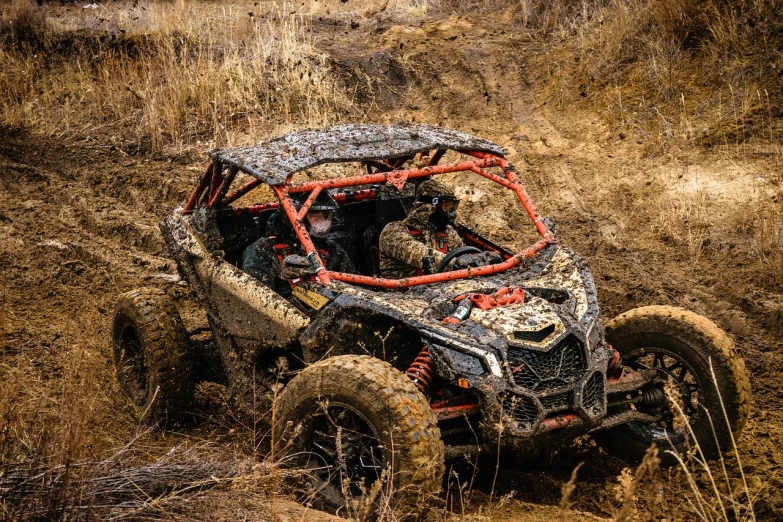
[(78, 227)]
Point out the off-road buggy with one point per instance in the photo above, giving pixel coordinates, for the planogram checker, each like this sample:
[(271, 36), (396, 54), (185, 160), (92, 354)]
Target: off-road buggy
[(377, 381)]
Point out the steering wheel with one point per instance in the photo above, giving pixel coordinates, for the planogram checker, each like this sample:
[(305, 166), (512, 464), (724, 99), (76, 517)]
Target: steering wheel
[(456, 253)]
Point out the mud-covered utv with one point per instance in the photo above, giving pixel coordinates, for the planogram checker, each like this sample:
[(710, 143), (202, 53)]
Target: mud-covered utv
[(383, 379)]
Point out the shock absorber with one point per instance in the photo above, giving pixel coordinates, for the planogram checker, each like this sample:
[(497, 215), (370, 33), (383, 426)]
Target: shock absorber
[(422, 370)]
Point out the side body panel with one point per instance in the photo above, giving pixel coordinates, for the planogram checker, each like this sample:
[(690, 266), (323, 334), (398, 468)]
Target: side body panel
[(252, 313)]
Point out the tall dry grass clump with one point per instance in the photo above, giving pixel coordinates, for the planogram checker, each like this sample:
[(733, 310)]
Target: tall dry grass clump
[(47, 427), (677, 73), (707, 71), (162, 75)]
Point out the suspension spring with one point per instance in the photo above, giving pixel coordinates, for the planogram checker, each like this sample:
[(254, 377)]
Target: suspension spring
[(422, 370)]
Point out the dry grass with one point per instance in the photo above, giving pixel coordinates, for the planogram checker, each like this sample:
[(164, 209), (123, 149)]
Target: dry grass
[(46, 428), (725, 211), (676, 69), (713, 491), (671, 75), (162, 75)]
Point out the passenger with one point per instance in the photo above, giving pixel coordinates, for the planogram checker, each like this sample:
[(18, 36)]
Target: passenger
[(263, 259)]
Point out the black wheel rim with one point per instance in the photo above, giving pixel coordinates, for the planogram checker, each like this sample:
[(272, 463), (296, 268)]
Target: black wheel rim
[(131, 367), (344, 453), (682, 383)]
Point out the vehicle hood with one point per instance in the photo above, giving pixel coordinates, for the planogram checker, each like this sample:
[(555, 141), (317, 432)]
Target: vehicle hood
[(560, 300)]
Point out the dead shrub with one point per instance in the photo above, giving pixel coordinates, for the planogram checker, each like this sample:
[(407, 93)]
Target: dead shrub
[(166, 75), (23, 27)]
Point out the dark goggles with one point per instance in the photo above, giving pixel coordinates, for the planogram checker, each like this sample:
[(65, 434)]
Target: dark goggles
[(449, 204)]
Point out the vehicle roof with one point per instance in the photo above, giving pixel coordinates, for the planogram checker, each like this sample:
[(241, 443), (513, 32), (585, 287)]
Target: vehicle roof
[(273, 161)]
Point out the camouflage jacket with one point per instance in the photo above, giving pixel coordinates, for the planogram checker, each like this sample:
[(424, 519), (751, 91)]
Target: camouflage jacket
[(262, 260), (403, 244)]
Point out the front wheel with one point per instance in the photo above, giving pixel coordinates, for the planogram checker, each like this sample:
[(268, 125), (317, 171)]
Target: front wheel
[(154, 366), (686, 349), (365, 435)]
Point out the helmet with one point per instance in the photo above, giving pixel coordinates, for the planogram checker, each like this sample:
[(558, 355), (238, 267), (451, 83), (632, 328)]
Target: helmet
[(318, 219), (440, 196), (324, 202), (432, 188)]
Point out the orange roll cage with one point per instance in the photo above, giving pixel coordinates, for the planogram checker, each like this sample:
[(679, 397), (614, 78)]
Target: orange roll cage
[(217, 197)]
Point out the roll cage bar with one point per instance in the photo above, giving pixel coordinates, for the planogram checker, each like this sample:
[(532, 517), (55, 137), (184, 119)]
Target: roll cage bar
[(212, 191)]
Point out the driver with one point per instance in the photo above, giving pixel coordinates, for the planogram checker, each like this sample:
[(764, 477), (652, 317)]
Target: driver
[(263, 259), (417, 244)]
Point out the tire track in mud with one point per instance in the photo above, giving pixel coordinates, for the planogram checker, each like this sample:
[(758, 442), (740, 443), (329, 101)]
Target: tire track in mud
[(78, 227)]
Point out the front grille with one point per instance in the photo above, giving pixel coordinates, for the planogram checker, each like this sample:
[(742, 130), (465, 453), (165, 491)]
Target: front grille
[(561, 401), (522, 409), (540, 371), (593, 395)]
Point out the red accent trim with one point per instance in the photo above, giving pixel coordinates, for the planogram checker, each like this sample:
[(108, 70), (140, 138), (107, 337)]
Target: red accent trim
[(241, 191), (382, 177), (456, 407), (439, 235), (216, 183), (626, 375), (280, 249), (308, 203), (436, 157), (451, 412), (445, 276), (322, 273), (614, 369), (225, 183), (422, 370), (493, 177), (443, 235), (483, 244), (504, 296), (561, 421), (359, 195), (340, 197), (255, 209)]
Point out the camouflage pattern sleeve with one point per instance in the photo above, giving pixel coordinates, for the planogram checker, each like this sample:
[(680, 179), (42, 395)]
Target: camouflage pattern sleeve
[(397, 243), (454, 240)]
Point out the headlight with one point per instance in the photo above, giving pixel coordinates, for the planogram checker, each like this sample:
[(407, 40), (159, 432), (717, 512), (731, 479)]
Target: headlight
[(594, 334), (459, 362), (489, 360)]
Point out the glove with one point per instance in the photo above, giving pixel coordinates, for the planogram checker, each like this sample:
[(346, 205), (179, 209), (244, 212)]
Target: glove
[(428, 264), (476, 260)]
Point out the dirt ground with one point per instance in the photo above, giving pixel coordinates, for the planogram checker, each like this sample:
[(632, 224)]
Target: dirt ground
[(78, 226)]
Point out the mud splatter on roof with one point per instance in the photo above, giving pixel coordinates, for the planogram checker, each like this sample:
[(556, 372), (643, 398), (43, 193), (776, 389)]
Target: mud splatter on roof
[(272, 162)]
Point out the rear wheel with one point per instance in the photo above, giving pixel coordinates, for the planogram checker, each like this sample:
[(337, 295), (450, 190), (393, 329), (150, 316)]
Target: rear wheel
[(686, 349), (154, 366), (366, 435)]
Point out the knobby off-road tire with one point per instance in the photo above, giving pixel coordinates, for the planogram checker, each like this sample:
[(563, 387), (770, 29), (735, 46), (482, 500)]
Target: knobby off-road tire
[(151, 357), (695, 341), (367, 396)]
